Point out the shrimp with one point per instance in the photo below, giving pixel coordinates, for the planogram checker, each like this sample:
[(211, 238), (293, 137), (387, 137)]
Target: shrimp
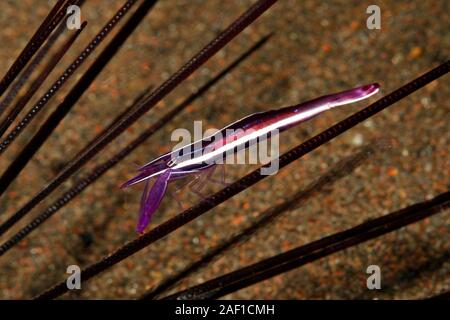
[(205, 153)]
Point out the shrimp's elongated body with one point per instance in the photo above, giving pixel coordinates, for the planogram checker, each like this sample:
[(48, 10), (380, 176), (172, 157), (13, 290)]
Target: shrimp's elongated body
[(203, 154)]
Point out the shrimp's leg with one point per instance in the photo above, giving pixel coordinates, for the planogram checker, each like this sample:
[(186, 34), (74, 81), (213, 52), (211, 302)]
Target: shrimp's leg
[(174, 192), (222, 180), (198, 183), (197, 192)]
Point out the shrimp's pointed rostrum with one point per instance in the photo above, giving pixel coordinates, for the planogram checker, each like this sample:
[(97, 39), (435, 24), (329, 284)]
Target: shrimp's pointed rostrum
[(204, 153)]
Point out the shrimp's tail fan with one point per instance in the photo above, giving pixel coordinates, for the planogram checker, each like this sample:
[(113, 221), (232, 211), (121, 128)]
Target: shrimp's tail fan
[(352, 95), (151, 200)]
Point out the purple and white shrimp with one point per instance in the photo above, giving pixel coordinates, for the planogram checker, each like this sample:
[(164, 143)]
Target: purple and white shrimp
[(203, 154)]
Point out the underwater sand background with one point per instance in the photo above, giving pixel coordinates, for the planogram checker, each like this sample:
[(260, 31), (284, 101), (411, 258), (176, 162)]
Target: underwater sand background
[(317, 48)]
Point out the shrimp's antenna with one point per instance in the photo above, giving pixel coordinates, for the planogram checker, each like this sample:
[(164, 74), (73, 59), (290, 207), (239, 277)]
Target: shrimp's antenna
[(148, 173)]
